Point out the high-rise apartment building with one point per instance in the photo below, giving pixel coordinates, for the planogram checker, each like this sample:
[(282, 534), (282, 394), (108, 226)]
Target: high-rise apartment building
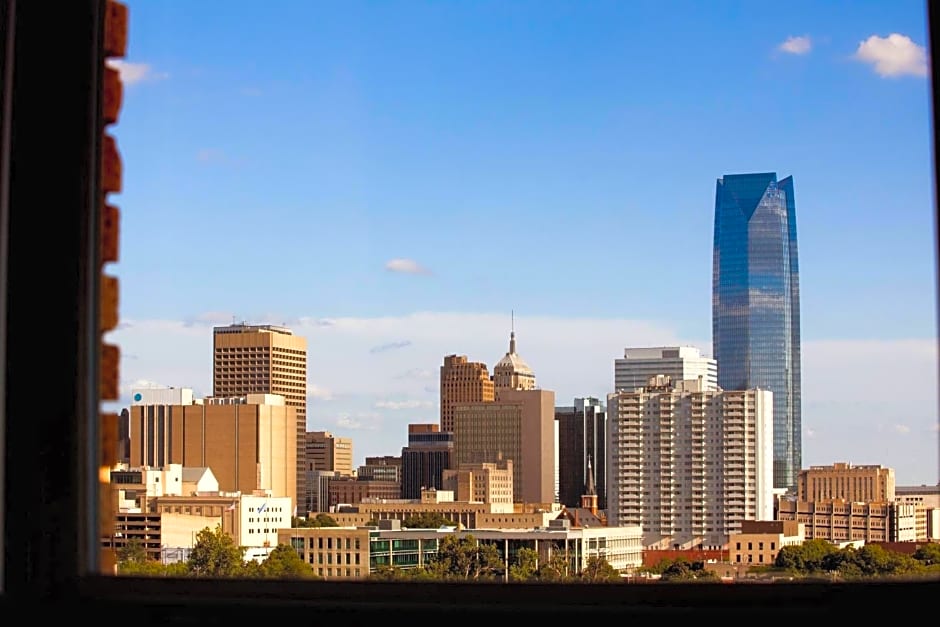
[(680, 363), (859, 484), (463, 381), (424, 460), (756, 303), (248, 442), (582, 446), (520, 427), (689, 464), (325, 451), (264, 359)]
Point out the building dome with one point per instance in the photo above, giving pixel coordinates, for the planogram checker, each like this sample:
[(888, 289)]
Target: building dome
[(512, 372)]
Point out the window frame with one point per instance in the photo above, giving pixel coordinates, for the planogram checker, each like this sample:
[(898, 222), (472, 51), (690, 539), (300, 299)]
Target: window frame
[(51, 133)]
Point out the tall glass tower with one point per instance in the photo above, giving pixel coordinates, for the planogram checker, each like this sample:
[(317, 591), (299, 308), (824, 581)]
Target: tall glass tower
[(756, 303)]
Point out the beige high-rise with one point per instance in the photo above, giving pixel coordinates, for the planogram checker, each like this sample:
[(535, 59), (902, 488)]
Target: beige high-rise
[(264, 359), (248, 442), (520, 427), (326, 451), (841, 480), (463, 381)]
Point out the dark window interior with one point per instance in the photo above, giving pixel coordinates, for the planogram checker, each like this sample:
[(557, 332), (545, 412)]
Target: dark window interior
[(49, 137)]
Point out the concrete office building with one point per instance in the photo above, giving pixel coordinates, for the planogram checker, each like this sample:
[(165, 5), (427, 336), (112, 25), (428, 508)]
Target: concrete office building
[(385, 468), (265, 359), (249, 442), (462, 381), (328, 452), (481, 483), (861, 484), (680, 363), (582, 444), (926, 502), (424, 460), (351, 553), (318, 491), (520, 427), (689, 464), (839, 520)]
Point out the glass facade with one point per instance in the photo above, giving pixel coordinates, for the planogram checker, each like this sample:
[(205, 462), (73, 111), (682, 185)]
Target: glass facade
[(756, 303)]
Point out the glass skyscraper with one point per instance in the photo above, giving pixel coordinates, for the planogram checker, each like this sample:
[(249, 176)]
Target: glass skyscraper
[(756, 303)]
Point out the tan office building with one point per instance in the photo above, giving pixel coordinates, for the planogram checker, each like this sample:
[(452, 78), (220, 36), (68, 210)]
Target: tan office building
[(249, 442), (519, 427), (760, 540), (838, 520), (327, 452), (463, 381), (265, 359), (481, 483), (863, 484)]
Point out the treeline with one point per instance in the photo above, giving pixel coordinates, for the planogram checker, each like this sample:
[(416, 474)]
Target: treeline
[(215, 555), (820, 558), (680, 569)]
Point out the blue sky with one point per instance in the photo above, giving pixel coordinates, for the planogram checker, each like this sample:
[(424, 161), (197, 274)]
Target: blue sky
[(408, 173)]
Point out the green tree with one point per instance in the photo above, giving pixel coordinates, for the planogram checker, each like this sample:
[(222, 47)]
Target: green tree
[(146, 568), (465, 559), (556, 568), (320, 520), (526, 566), (598, 570), (133, 552), (215, 554), (427, 520), (928, 554), (284, 563), (176, 569), (813, 556)]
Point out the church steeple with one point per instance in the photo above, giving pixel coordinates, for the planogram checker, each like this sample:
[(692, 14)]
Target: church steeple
[(589, 498), (590, 490)]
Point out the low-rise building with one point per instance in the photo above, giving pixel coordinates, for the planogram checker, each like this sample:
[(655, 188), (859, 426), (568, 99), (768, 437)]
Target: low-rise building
[(338, 553), (837, 520), (760, 540)]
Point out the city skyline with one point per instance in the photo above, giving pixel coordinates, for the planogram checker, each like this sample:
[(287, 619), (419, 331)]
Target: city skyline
[(392, 180)]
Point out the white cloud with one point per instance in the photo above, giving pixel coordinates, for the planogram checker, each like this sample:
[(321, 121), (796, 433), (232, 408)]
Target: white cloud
[(406, 266), (409, 404), (319, 392), (851, 388), (796, 45), (132, 73), (348, 423), (894, 55)]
